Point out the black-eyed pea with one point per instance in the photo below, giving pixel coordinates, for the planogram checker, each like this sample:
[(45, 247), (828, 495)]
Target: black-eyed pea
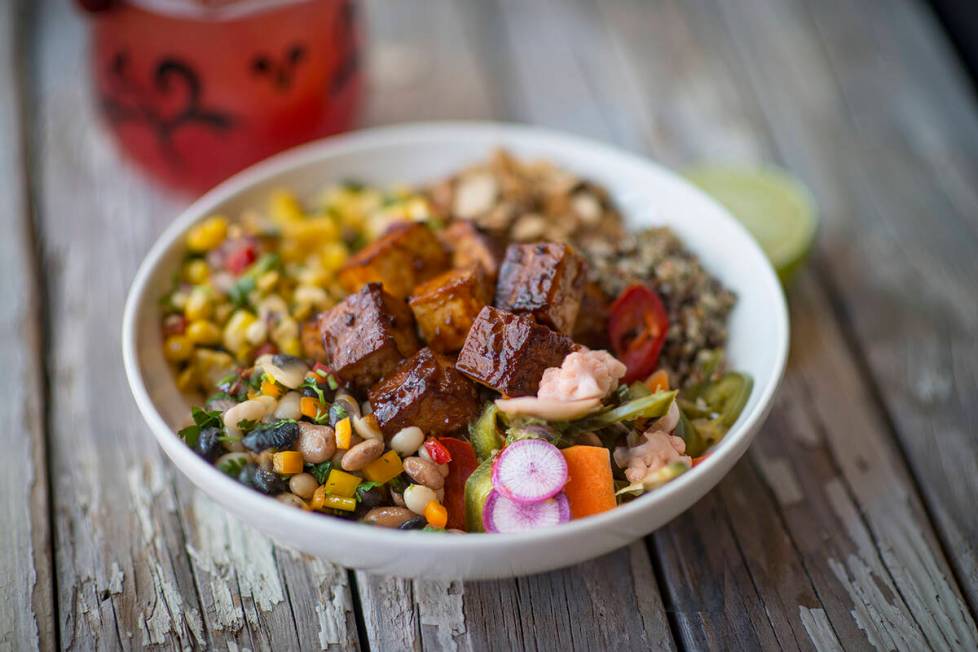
[(303, 485), (424, 472), (362, 454), (391, 517)]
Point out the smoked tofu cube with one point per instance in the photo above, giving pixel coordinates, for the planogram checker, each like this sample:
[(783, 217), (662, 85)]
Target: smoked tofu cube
[(312, 341), (469, 246), (409, 253), (509, 353), (446, 306), (591, 327), (425, 391), (366, 335), (543, 279)]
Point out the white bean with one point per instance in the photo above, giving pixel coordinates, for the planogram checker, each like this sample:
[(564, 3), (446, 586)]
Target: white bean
[(251, 410), (367, 428), (407, 440), (417, 497), (288, 407)]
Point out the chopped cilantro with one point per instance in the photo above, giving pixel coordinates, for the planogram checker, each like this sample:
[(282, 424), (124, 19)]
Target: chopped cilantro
[(320, 471), (202, 419), (232, 464), (238, 294), (310, 383), (247, 425)]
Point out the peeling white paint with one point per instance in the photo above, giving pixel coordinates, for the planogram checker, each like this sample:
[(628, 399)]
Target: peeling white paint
[(876, 602), (819, 629), (441, 609), (334, 600)]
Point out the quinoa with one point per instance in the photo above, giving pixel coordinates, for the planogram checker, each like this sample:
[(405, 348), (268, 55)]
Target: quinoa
[(698, 305)]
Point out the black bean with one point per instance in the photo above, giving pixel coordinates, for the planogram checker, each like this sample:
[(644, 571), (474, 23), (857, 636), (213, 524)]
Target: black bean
[(416, 523), (337, 412), (282, 434), (269, 483), (373, 497), (209, 443), (247, 475)]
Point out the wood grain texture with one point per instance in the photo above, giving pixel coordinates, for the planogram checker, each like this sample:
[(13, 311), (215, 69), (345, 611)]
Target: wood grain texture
[(143, 559), (27, 605)]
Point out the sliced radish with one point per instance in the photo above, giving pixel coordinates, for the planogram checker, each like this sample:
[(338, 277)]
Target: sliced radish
[(529, 470), (504, 515)]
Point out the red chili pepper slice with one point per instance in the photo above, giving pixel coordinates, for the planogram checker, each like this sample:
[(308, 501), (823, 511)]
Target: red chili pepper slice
[(637, 328), (437, 451)]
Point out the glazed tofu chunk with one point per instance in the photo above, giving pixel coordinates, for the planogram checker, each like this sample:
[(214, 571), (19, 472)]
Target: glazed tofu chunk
[(543, 279), (469, 246), (509, 353), (367, 334), (446, 306), (425, 391), (591, 327), (409, 253)]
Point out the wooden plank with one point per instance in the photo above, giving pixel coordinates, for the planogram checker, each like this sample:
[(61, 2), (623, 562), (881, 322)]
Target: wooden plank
[(822, 487), (27, 608), (903, 239), (604, 603), (143, 558)]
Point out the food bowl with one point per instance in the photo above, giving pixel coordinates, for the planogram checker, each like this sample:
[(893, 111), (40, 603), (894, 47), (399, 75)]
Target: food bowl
[(646, 194)]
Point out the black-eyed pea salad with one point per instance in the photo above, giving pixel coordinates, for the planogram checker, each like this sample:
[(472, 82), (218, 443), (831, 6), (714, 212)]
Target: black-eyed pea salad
[(391, 357)]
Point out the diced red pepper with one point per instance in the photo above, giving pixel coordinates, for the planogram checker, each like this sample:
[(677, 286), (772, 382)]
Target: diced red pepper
[(437, 451), (463, 463), (239, 257)]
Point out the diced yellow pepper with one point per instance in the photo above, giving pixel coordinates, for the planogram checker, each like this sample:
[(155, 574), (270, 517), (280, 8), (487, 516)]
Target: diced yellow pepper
[(338, 502), (269, 388), (309, 407), (340, 483), (287, 462), (436, 514), (316, 502), (384, 468), (208, 234), (344, 433)]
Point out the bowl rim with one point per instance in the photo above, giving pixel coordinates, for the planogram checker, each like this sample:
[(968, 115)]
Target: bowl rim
[(732, 445)]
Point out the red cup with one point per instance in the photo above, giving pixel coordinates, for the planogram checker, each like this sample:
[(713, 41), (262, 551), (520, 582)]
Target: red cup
[(195, 90)]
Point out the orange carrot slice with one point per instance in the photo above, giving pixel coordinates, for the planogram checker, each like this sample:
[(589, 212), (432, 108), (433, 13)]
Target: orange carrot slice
[(590, 489)]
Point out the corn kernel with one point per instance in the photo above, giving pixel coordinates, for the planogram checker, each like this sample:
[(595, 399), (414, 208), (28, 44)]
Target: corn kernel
[(338, 502), (436, 514), (266, 282), (291, 347), (235, 330), (333, 256), (284, 206), (222, 312), (208, 234), (341, 483), (199, 304), (187, 379), (177, 348), (196, 271), (287, 462), (203, 332), (384, 468), (309, 407), (269, 388), (344, 433)]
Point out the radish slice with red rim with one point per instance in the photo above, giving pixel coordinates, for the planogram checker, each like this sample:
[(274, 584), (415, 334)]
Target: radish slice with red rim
[(504, 515), (529, 470)]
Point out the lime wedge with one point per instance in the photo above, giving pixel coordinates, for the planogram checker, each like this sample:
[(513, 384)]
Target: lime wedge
[(775, 207)]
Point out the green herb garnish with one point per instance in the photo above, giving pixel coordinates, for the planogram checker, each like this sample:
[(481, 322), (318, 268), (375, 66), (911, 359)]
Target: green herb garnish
[(310, 383), (202, 419), (320, 471), (232, 464), (245, 285)]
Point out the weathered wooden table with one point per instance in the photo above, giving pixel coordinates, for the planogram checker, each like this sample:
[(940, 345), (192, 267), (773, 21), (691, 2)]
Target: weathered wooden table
[(853, 521)]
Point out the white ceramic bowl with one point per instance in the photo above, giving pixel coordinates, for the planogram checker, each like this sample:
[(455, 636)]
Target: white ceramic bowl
[(647, 195)]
